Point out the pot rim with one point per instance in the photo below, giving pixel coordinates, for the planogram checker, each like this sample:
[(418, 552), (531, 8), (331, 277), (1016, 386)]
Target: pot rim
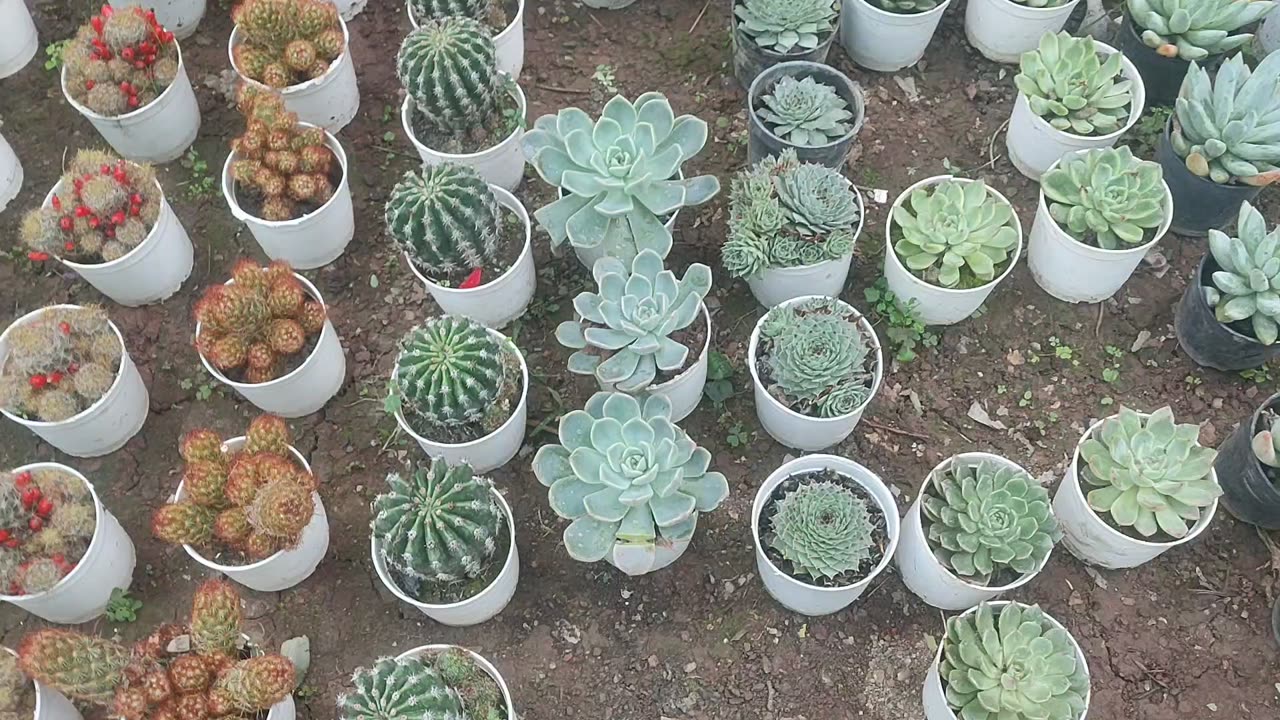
[(90, 114), (345, 56), (858, 105), (1161, 231), (1198, 284), (229, 185), (935, 11), (497, 37), (110, 264), (513, 89), (1043, 10), (743, 38), (98, 512), (1137, 104), (508, 200)]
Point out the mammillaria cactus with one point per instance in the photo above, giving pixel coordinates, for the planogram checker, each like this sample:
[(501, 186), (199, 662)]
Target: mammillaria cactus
[(446, 218), (818, 360), (446, 685), (628, 324), (47, 520), (59, 364), (285, 165), (121, 60), (805, 112), (1068, 85), (102, 208), (1246, 287), (822, 529), (1195, 29), (955, 234), (984, 518), (1228, 128), (256, 320), (286, 42), (1017, 666), (1148, 473), (17, 694), (784, 26), (619, 175), (629, 479), (1107, 198), (906, 7), (215, 618)]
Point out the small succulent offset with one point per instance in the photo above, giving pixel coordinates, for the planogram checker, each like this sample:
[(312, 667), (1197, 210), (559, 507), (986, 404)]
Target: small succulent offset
[(17, 693), (619, 174), (785, 26), (1228, 128), (59, 364), (955, 234), (1195, 29), (47, 520), (450, 373), (286, 165), (1068, 85), (286, 42), (984, 517), (805, 112), (449, 68), (823, 530), (121, 60), (628, 324), (1149, 474), (629, 479), (1107, 197), (445, 218), (1246, 287), (1018, 665), (819, 361), (907, 7), (1266, 443), (449, 686)]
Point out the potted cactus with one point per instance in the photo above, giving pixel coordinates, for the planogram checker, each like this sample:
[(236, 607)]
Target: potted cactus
[(1073, 94), (247, 507), (1100, 212), (889, 35), (632, 482), (1138, 484), (824, 527), (815, 364), (20, 41), (444, 680), (980, 527), (950, 241), (266, 333), (287, 181), (1008, 660), (468, 241), (66, 375), (123, 71), (792, 227), (461, 391), (812, 110), (503, 18), (1002, 30), (1248, 467), (768, 32), (459, 107), (108, 220), (21, 697), (1210, 168), (202, 668), (443, 541), (644, 332)]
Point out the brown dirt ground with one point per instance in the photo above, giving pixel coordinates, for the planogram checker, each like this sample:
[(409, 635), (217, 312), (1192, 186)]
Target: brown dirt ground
[(1183, 637)]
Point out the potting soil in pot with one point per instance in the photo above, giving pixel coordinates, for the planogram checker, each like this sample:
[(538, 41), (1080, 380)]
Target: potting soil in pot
[(511, 238), (501, 410), (505, 119)]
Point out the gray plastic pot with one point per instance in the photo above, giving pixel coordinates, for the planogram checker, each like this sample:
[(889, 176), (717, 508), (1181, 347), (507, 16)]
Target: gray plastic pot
[(1208, 342), (749, 59), (762, 143), (1247, 491)]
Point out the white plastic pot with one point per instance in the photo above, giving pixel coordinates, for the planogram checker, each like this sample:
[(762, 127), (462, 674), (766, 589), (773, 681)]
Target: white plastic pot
[(286, 709), (508, 45), (1003, 29), (50, 704), (149, 273), (884, 41), (10, 172), (330, 101), (607, 4), (157, 132), (309, 387), (106, 565), (935, 697), (1072, 271), (493, 450), (1034, 145), (803, 432), (101, 428), (939, 305), (348, 9), (501, 165), (798, 595), (501, 300), (482, 606), (921, 570), (684, 391), (489, 669), (19, 42), (179, 17), (308, 242), (1092, 539), (776, 285)]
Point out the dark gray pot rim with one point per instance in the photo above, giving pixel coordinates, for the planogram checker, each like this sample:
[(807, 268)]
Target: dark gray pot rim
[(1203, 273)]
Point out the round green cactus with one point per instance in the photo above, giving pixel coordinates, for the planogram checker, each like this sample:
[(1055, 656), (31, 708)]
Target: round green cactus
[(823, 529), (440, 9), (955, 234), (446, 218), (407, 689), (818, 359), (449, 371), (449, 68), (1106, 197)]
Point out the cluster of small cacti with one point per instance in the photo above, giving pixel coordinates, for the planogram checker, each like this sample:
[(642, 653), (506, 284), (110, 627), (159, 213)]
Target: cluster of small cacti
[(47, 519), (256, 501), (17, 694), (121, 60), (255, 320), (286, 42), (102, 208), (286, 164), (59, 364), (448, 685), (149, 682)]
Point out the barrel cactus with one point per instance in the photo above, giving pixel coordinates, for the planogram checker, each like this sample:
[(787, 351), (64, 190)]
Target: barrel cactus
[(818, 360), (955, 233), (1195, 29), (448, 685), (1228, 127), (1107, 198), (449, 68), (805, 112), (440, 9), (1067, 84), (823, 530), (785, 26), (1246, 287), (449, 372), (446, 218)]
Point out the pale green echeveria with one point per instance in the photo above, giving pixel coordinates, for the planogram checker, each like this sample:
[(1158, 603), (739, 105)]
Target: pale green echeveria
[(906, 7), (629, 322), (1228, 128), (784, 26), (820, 363), (823, 530), (805, 112), (1068, 85), (1195, 29), (631, 481), (1149, 473), (955, 233), (1246, 287), (619, 175), (1107, 198), (1266, 444), (1019, 666)]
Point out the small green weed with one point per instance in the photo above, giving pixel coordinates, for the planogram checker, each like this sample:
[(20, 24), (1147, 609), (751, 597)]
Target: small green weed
[(122, 607), (719, 387), (605, 77), (53, 54), (905, 330), (202, 183)]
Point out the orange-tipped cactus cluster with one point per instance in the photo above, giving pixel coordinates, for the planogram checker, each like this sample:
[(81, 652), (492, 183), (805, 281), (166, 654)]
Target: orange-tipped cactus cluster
[(119, 61), (285, 164), (254, 321), (286, 42)]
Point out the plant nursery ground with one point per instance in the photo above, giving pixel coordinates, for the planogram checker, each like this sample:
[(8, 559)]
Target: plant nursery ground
[(1185, 637)]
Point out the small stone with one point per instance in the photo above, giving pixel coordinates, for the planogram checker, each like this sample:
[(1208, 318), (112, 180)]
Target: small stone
[(690, 667)]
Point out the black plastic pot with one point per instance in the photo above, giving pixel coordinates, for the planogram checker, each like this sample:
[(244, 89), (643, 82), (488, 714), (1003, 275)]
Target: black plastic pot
[(1247, 492), (762, 143), (749, 59), (1209, 342), (1199, 204), (1162, 76)]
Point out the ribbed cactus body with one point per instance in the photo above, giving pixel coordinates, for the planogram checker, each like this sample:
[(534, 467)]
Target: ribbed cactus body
[(449, 68), (406, 689), (440, 9), (78, 666), (449, 371), (446, 218)]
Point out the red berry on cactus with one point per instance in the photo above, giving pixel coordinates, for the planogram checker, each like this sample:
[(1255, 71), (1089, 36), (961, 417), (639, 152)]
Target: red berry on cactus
[(37, 381), (54, 377), (66, 224), (35, 524), (23, 479)]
